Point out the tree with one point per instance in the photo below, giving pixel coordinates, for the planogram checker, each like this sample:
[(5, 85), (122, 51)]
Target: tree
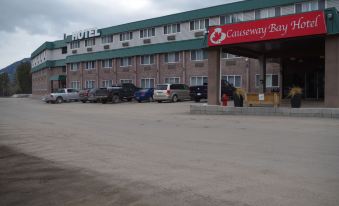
[(24, 78), (4, 84)]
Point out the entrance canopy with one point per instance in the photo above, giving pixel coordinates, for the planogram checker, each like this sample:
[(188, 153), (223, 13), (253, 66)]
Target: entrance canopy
[(58, 78)]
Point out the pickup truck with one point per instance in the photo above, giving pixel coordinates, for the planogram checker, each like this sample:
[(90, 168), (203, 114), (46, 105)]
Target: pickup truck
[(200, 92), (119, 93), (62, 95)]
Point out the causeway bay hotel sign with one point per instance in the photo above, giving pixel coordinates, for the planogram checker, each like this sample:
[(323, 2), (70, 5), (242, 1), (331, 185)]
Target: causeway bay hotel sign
[(84, 34), (305, 24)]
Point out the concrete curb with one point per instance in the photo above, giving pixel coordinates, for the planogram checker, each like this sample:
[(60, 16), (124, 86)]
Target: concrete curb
[(265, 111)]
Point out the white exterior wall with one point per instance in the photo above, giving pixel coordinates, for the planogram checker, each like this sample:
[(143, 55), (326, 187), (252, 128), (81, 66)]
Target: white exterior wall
[(332, 3)]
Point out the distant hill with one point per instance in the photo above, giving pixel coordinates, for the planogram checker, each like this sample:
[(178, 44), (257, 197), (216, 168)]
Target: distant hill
[(11, 69)]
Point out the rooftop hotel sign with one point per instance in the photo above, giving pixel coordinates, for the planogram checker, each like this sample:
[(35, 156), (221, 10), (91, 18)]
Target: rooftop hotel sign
[(84, 34), (304, 24)]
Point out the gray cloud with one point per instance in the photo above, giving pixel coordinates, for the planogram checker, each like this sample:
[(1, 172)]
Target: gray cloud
[(50, 19)]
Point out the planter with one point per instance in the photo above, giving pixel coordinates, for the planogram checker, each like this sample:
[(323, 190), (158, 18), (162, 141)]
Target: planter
[(296, 101), (238, 100)]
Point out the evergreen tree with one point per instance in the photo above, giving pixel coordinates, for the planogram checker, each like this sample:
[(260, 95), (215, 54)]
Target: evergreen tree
[(4, 84), (24, 78)]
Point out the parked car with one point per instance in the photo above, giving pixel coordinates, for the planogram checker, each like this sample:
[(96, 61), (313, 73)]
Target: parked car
[(117, 93), (61, 95), (200, 92), (83, 95), (171, 92), (144, 95), (93, 95)]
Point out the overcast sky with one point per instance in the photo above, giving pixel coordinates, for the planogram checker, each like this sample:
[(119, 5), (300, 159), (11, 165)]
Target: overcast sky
[(26, 24)]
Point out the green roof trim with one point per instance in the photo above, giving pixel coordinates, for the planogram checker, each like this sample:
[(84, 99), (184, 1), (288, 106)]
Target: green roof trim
[(194, 14), (332, 21), (57, 77), (49, 46), (140, 50), (49, 64)]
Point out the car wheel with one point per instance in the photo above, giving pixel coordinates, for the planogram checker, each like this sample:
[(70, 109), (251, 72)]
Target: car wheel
[(174, 98), (115, 99), (159, 101), (59, 100), (139, 101), (129, 99), (103, 101), (83, 101), (197, 100)]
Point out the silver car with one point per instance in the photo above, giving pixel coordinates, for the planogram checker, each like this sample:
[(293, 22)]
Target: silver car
[(171, 92), (62, 95)]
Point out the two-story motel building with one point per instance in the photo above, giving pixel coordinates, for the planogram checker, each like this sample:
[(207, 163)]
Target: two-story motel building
[(174, 49)]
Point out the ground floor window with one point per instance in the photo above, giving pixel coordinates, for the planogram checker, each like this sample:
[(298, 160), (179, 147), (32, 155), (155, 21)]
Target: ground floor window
[(75, 84), (195, 81), (90, 84), (235, 80), (172, 80), (124, 81), (147, 83), (106, 83), (272, 80)]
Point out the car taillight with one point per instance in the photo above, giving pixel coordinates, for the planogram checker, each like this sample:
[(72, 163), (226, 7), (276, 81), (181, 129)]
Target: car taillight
[(168, 92)]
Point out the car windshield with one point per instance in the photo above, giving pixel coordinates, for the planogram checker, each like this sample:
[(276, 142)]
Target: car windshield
[(162, 87)]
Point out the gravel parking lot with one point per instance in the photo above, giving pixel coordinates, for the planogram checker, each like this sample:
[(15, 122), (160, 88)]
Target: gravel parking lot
[(159, 154)]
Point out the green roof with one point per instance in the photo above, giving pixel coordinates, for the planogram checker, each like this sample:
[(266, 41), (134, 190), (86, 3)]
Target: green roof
[(49, 46), (49, 64), (141, 50), (57, 77)]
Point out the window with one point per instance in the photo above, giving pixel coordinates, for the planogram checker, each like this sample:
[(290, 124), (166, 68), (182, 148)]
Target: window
[(308, 6), (198, 55), (90, 84), (286, 10), (225, 55), (75, 44), (235, 80), (196, 81), (106, 83), (145, 33), (107, 39), (172, 57), (199, 24), (64, 50), (264, 13), (75, 84), (90, 42), (124, 81), (172, 80), (90, 65), (231, 18), (125, 62), (272, 80), (74, 67), (147, 59), (147, 83), (172, 29), (126, 36), (107, 63)]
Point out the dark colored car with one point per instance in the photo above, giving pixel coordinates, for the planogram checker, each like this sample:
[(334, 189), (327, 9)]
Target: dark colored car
[(144, 95), (200, 92), (92, 95), (83, 95), (119, 93)]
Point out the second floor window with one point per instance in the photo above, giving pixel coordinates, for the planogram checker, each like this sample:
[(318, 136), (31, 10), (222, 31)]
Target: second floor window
[(231, 18), (90, 42), (126, 36), (199, 24), (125, 62), (172, 29), (107, 63), (107, 39), (198, 55), (172, 57), (306, 6), (147, 59), (75, 44), (90, 65), (265, 13), (145, 33)]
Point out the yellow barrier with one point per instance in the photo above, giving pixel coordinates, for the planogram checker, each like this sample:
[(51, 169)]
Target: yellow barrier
[(270, 99)]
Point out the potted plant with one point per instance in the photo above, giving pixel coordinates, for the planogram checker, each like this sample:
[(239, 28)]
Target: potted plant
[(295, 94), (238, 97)]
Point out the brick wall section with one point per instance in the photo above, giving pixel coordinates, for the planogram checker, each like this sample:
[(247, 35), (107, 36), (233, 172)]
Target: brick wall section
[(194, 68), (170, 69), (41, 85)]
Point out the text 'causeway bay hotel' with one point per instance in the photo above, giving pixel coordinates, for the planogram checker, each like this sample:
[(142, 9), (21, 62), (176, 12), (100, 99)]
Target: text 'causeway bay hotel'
[(258, 45)]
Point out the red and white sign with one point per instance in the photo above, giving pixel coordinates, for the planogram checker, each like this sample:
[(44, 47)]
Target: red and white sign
[(304, 24)]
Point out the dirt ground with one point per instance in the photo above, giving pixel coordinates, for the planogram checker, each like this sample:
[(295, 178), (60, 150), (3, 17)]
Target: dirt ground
[(158, 154)]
